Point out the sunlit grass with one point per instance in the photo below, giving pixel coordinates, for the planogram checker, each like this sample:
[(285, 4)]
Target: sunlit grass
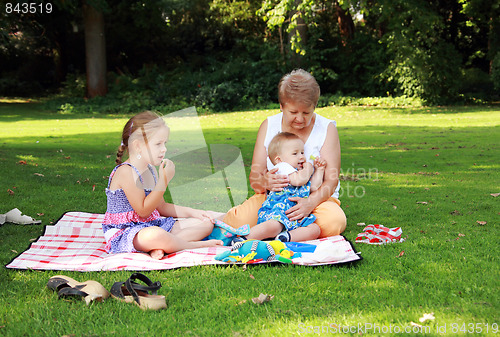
[(429, 170)]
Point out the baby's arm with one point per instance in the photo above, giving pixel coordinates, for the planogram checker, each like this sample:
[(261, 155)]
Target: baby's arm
[(301, 177), (319, 173)]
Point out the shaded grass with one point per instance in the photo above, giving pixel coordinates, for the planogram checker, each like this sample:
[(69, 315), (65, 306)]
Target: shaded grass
[(429, 170)]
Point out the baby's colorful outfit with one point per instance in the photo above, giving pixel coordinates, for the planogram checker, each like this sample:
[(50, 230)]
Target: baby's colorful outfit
[(121, 222), (277, 202)]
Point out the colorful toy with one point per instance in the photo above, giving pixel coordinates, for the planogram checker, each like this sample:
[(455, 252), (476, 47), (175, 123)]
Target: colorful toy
[(253, 251)]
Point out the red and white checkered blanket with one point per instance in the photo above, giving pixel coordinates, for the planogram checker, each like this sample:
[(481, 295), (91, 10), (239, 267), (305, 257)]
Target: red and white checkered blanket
[(76, 242)]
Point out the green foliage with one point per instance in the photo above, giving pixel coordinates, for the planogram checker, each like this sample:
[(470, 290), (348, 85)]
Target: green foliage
[(236, 82), (175, 49), (423, 64)]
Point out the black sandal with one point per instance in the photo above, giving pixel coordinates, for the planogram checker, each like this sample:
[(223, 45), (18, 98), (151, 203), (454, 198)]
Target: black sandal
[(65, 286), (145, 296)]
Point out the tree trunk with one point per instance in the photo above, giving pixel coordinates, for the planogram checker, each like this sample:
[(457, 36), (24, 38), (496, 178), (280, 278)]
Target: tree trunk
[(301, 31), (95, 51), (493, 40), (346, 24)]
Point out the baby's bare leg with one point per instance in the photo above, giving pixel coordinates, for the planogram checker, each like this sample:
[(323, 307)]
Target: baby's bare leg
[(310, 232), (265, 230)]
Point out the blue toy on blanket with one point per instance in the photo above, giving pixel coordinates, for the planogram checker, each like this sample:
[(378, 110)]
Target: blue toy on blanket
[(225, 233), (253, 251)]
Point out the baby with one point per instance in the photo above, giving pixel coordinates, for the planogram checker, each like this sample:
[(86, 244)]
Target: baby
[(286, 152)]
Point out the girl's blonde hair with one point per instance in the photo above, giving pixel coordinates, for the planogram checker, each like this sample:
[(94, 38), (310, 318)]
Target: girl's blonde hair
[(298, 86), (138, 127), (275, 145)]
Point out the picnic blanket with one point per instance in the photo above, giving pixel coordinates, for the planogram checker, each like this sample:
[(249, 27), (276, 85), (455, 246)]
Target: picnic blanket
[(76, 242)]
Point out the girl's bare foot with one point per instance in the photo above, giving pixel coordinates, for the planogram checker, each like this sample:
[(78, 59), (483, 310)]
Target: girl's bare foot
[(157, 254)]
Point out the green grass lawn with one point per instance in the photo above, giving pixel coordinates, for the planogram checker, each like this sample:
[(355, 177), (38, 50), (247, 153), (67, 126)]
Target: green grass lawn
[(431, 171)]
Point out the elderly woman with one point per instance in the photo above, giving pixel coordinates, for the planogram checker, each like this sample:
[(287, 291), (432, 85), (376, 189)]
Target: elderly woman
[(298, 96)]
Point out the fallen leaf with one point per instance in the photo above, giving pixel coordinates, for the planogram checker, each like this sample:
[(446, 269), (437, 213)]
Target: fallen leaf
[(252, 277), (22, 162), (482, 223), (361, 224), (422, 202), (402, 253), (460, 234), (68, 157), (455, 212), (242, 302), (14, 251), (495, 194), (40, 214), (415, 324), (394, 206), (93, 188), (263, 298), (11, 192), (38, 174), (427, 317)]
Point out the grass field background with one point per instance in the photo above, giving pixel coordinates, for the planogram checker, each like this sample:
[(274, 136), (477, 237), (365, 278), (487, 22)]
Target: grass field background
[(432, 171)]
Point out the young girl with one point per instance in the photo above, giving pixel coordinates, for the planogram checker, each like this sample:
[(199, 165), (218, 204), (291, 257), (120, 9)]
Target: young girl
[(286, 152), (137, 218)]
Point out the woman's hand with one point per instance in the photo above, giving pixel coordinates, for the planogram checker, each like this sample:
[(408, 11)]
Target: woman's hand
[(275, 182), (303, 208)]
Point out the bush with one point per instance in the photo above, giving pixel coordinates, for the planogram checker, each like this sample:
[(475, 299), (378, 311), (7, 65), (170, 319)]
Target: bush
[(340, 100), (477, 85)]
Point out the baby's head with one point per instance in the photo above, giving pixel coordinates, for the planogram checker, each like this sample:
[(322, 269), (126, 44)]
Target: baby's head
[(140, 129), (299, 86), (287, 147)]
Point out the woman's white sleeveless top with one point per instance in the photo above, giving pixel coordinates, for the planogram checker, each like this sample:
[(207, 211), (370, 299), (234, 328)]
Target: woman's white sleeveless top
[(313, 144)]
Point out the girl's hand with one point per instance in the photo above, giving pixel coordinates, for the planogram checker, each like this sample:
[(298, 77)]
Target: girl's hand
[(203, 215), (275, 182), (166, 171), (302, 209)]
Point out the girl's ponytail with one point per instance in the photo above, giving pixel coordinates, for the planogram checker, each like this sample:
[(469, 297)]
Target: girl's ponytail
[(119, 154)]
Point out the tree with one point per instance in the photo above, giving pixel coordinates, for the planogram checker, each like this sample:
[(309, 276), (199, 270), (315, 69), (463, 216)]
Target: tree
[(95, 50), (485, 15)]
